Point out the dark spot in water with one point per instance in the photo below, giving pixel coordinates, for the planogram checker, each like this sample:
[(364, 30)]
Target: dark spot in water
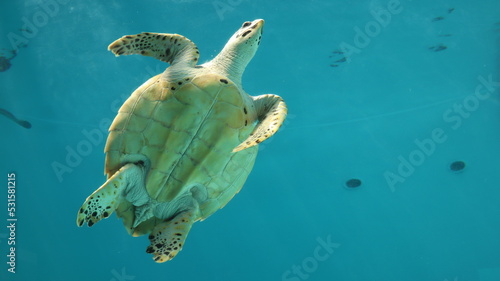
[(457, 166), (438, 48), (344, 59), (4, 64), (353, 183)]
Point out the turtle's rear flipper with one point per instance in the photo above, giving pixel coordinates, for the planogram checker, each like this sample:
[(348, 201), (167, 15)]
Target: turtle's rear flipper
[(103, 202), (168, 237), (271, 111)]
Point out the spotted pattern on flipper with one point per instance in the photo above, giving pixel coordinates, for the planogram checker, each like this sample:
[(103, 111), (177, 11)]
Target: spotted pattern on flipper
[(272, 111), (92, 212), (162, 249), (103, 202), (168, 237), (171, 48)]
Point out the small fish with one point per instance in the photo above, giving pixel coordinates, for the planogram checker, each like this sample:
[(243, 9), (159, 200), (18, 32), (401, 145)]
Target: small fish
[(338, 52), (22, 123), (8, 54), (26, 30), (341, 60), (334, 65), (438, 18), (450, 10), (438, 48)]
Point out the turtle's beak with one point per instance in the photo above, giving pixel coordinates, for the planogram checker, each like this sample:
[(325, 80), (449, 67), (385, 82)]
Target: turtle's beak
[(258, 24)]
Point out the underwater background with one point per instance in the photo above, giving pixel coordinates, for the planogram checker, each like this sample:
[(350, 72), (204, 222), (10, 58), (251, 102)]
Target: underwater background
[(387, 167)]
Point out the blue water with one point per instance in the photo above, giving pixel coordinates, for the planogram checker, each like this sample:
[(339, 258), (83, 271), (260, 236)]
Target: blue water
[(409, 100)]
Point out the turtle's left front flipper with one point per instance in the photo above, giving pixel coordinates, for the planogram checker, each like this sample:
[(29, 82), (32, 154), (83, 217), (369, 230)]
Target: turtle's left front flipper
[(271, 113)]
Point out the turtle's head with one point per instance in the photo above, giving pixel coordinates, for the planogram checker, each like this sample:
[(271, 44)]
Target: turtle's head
[(239, 50), (246, 40)]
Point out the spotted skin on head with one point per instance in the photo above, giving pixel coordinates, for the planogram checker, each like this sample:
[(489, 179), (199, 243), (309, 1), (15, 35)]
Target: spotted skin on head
[(168, 237), (271, 110), (171, 48)]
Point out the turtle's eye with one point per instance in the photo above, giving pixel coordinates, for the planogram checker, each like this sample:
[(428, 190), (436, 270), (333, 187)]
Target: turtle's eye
[(245, 24)]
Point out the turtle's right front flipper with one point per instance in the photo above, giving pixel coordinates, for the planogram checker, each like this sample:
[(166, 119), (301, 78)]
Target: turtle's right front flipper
[(271, 113), (103, 202), (171, 48)]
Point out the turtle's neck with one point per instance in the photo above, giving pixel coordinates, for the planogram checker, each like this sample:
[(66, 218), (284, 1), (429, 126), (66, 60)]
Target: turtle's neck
[(231, 62), (238, 52)]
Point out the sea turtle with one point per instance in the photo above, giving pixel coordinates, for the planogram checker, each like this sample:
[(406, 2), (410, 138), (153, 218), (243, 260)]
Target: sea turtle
[(185, 141)]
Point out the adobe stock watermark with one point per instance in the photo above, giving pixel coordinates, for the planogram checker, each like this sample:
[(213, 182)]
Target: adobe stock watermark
[(93, 138), (226, 6), (454, 117), (121, 276), (309, 265), (382, 17), (32, 24)]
